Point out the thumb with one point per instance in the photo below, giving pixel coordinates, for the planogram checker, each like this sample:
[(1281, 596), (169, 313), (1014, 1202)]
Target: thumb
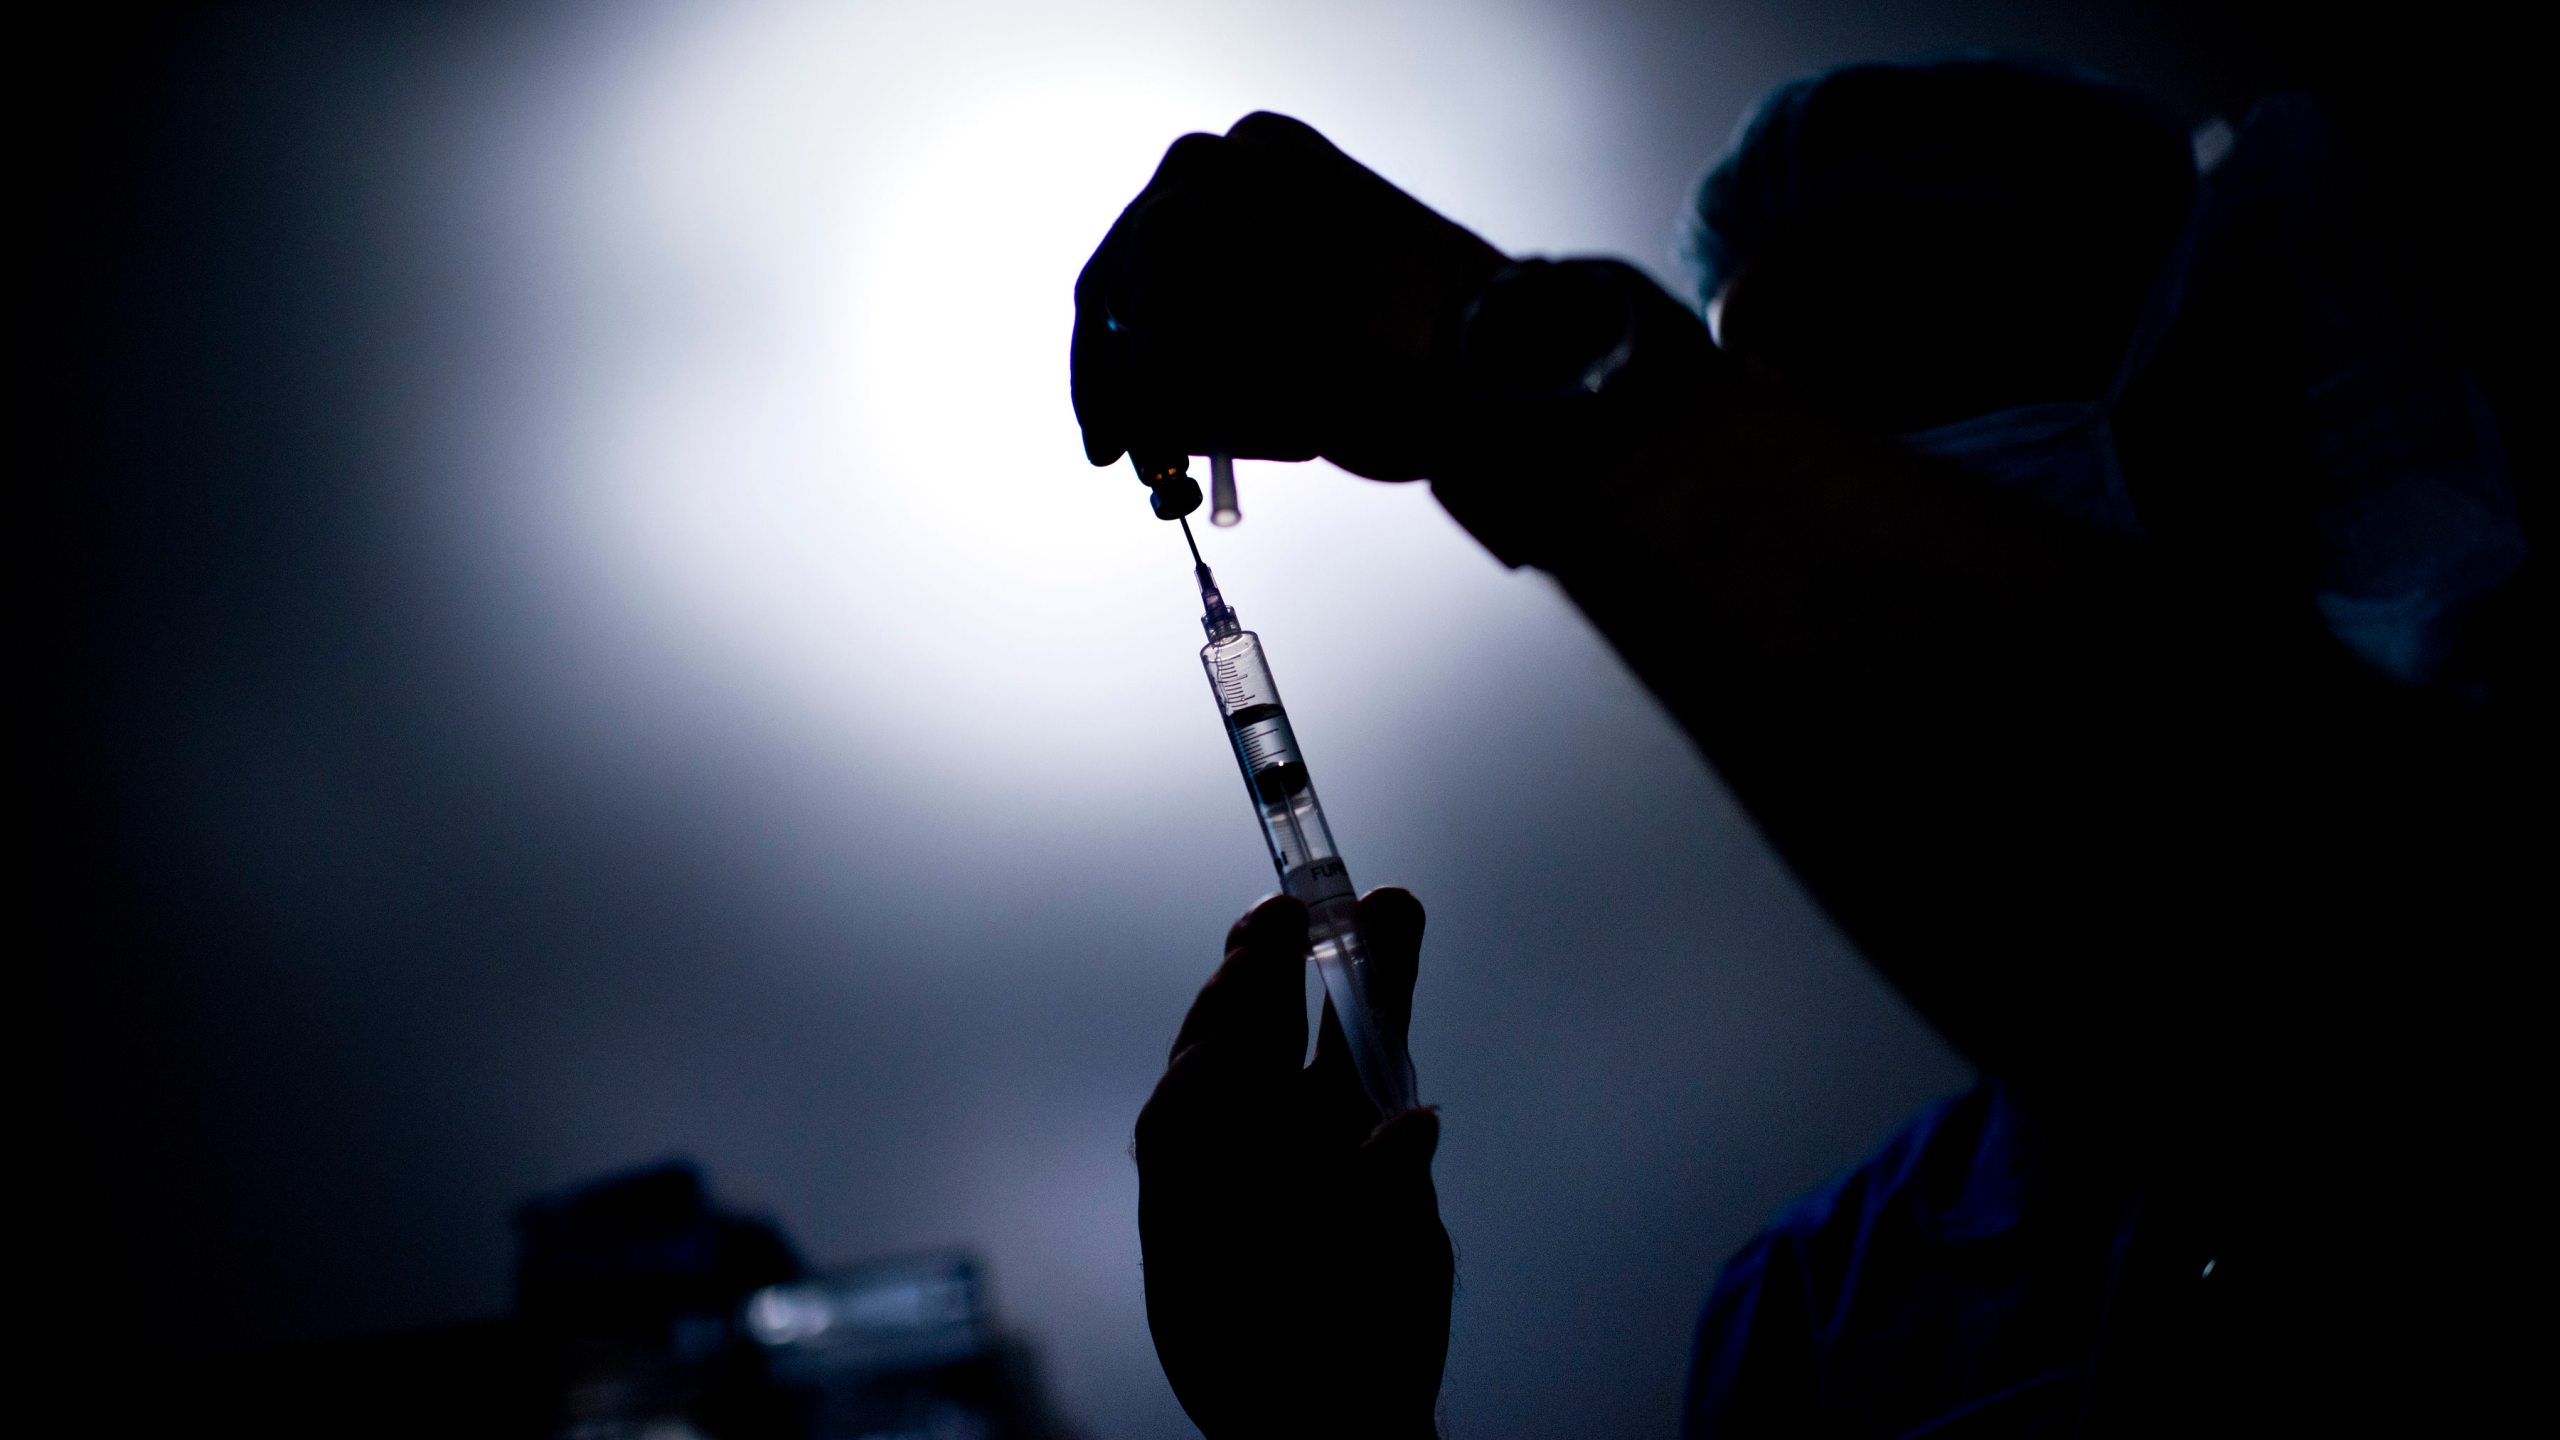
[(1404, 1142), (1391, 922), (1283, 134), (1394, 1168)]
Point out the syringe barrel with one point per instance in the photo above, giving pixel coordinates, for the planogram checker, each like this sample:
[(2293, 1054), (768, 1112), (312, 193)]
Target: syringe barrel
[(1310, 869)]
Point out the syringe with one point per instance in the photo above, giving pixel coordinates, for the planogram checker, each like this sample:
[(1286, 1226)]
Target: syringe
[(1311, 870)]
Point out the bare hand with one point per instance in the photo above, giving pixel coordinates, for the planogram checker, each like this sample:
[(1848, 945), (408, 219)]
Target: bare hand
[(1298, 1277)]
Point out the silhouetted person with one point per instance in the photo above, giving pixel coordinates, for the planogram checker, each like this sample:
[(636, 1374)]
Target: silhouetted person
[(2098, 579)]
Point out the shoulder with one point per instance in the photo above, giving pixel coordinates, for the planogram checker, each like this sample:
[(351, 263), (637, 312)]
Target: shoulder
[(1947, 1272)]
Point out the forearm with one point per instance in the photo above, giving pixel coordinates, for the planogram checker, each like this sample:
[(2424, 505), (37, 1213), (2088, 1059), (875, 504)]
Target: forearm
[(2046, 785)]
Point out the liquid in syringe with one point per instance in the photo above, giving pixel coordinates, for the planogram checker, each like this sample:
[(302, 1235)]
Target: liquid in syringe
[(1310, 869)]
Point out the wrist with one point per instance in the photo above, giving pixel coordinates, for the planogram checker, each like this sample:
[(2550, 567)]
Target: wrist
[(1566, 374)]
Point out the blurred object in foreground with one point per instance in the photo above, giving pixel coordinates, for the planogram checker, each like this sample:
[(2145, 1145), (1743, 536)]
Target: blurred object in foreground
[(664, 1316), (645, 1311), (896, 1348), (628, 1290)]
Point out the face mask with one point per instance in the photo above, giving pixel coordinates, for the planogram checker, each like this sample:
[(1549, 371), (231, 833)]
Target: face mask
[(2415, 514), (2062, 455)]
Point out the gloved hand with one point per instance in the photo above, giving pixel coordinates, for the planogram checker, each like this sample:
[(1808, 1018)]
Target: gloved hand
[(1298, 1277), (1269, 296)]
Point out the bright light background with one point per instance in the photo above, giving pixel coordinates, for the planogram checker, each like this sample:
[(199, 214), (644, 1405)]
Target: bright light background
[(738, 723), (798, 311), (783, 483)]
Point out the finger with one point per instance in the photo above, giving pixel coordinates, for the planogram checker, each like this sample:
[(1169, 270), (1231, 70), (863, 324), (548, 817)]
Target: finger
[(1184, 162), (1269, 131), (1278, 144), (1403, 1143), (1239, 1045), (1098, 353), (1196, 1117), (1391, 922), (1392, 1174), (1116, 284), (1239, 932), (1096, 379), (1254, 1008), (1143, 313), (1095, 358)]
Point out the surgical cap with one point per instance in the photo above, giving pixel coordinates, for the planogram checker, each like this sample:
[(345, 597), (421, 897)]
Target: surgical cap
[(1885, 147)]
